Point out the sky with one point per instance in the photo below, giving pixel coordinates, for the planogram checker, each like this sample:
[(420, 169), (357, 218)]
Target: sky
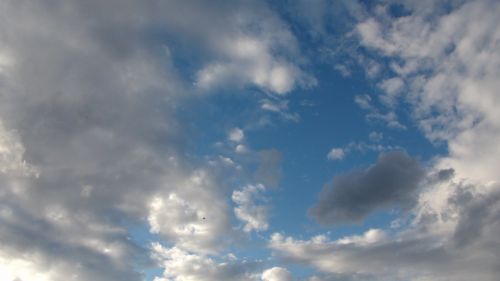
[(287, 140)]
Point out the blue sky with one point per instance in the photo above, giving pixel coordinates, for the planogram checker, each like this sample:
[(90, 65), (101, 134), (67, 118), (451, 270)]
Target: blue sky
[(304, 140)]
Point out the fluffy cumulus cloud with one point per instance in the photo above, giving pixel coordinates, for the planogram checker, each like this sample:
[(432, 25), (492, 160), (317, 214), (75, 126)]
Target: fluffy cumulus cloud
[(391, 182)]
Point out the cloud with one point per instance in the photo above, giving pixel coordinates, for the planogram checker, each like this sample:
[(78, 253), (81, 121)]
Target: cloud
[(343, 70), (193, 215), (340, 153), (374, 114), (392, 88), (478, 215), (363, 101), (391, 182), (241, 148), (236, 135), (376, 136), (336, 154), (276, 274), (281, 108), (181, 265), (248, 210), (255, 47)]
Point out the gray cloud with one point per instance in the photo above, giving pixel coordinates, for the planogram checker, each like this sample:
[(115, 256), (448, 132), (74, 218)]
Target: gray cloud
[(391, 182)]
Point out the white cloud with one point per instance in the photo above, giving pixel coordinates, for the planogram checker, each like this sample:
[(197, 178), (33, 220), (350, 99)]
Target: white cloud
[(241, 148), (374, 114), (340, 153), (363, 101), (276, 274), (280, 107), (325, 255), (193, 215), (376, 136), (336, 154), (343, 70), (248, 210), (250, 62), (236, 135), (255, 56), (392, 88), (180, 265)]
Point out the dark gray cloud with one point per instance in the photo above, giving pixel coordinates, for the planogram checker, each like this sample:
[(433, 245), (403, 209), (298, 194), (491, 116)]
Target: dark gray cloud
[(391, 182)]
